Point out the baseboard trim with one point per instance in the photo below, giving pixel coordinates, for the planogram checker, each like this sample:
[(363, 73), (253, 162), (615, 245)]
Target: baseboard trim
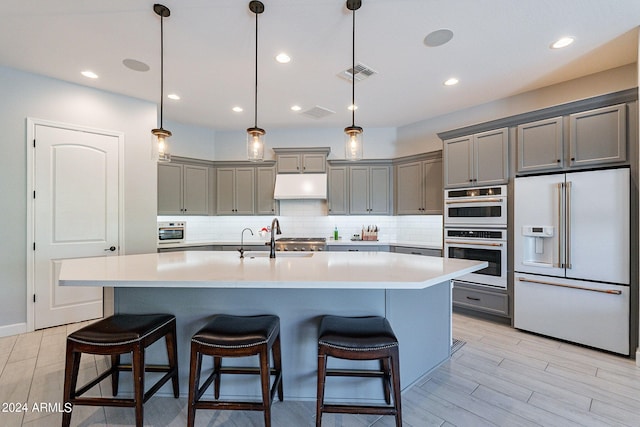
[(15, 329), (638, 357)]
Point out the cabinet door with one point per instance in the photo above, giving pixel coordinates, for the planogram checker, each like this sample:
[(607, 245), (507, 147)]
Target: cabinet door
[(598, 136), (245, 191), (314, 163), (409, 186), (490, 152), (265, 182), (338, 194), (540, 146), (432, 183), (196, 190), (169, 189), (225, 189), (359, 190), (288, 163), (379, 190), (458, 155)]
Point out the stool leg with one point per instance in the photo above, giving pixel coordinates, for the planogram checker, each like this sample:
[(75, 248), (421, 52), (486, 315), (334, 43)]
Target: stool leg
[(277, 364), (322, 372), (138, 382), (395, 375), (217, 364), (265, 380), (172, 354), (115, 374), (194, 383), (72, 366), (386, 379)]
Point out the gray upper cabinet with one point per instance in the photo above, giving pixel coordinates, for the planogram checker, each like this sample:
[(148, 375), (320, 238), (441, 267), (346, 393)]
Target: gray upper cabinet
[(235, 191), (474, 160), (540, 145), (418, 187), (369, 190), (183, 189), (593, 137), (302, 160), (338, 192), (598, 136), (265, 183)]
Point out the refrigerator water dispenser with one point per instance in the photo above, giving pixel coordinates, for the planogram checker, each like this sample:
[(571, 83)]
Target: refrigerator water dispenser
[(538, 249)]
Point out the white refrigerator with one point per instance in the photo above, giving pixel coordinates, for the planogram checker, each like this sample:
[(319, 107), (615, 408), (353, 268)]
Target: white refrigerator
[(571, 257)]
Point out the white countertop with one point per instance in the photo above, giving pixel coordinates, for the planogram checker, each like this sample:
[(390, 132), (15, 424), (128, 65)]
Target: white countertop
[(330, 242), (217, 269)]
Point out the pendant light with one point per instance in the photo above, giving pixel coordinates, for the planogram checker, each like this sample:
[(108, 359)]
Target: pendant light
[(353, 146), (255, 135), (161, 134)]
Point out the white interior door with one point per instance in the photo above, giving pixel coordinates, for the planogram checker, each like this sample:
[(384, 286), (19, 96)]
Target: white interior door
[(76, 214)]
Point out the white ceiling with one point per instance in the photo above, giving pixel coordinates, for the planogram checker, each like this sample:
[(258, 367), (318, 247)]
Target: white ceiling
[(500, 48)]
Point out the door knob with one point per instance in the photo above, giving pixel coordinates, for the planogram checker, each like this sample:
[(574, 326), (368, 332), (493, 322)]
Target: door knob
[(112, 249)]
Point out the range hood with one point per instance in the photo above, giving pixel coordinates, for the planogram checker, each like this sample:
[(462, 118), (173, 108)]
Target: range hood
[(301, 186)]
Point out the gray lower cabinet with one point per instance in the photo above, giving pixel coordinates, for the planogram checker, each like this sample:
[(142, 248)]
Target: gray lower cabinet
[(369, 190), (191, 248), (418, 188), (482, 299), (265, 184), (475, 160), (235, 191), (183, 189), (585, 139), (358, 248), (337, 190), (417, 251)]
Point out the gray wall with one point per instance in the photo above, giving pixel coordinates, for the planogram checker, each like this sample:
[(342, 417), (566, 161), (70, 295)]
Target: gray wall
[(29, 95)]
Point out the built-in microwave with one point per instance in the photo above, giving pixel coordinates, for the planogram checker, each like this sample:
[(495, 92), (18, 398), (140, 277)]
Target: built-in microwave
[(171, 231), (477, 206)]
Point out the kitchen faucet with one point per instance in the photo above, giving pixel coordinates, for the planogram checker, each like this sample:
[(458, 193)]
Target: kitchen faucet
[(241, 250), (275, 226)]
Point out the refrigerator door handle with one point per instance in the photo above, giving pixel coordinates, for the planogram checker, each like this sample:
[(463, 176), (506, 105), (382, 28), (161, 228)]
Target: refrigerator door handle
[(561, 285), (560, 263), (568, 225)]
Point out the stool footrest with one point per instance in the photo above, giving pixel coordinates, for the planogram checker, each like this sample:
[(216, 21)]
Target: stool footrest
[(166, 377), (354, 373), (364, 409), (222, 404), (103, 401)]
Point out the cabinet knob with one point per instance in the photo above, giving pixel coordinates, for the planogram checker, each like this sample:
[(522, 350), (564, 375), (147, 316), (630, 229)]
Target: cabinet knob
[(558, 161), (573, 159)]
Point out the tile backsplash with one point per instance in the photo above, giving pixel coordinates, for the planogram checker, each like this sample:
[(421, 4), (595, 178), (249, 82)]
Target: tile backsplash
[(308, 218)]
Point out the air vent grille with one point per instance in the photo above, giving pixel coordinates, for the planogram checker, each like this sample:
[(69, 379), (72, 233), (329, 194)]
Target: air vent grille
[(360, 72), (318, 112)]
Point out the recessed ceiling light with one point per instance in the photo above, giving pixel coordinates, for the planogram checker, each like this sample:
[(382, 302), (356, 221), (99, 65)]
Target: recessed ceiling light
[(451, 81), (173, 96), (237, 109), (135, 65), (89, 74), (283, 58), (438, 37), (562, 42), (352, 107), (296, 108)]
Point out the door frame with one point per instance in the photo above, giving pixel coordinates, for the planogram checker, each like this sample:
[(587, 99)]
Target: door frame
[(31, 130)]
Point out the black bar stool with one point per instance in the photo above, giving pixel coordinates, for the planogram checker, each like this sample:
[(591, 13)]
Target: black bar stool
[(236, 336), (359, 338), (114, 336)]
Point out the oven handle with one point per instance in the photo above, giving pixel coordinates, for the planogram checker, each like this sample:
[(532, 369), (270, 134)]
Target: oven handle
[(457, 242), (492, 200), (581, 288)]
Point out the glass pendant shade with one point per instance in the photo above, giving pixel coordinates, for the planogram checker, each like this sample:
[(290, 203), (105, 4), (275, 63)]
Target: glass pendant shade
[(353, 145), (161, 136), (255, 144)]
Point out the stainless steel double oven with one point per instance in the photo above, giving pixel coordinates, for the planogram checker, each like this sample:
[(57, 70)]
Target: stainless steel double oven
[(475, 227)]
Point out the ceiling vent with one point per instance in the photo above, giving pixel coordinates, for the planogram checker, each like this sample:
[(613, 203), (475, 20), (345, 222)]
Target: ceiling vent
[(361, 72), (318, 112)]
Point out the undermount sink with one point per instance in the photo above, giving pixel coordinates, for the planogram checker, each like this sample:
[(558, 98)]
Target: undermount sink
[(265, 254)]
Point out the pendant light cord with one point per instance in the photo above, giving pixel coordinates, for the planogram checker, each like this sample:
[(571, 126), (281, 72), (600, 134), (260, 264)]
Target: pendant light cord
[(161, 68), (353, 70), (255, 102)]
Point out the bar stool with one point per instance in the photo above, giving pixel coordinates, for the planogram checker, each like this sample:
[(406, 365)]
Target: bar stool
[(114, 336), (359, 338), (236, 336)]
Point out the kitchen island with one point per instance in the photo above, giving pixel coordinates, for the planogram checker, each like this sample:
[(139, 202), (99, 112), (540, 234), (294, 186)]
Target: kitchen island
[(412, 291)]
